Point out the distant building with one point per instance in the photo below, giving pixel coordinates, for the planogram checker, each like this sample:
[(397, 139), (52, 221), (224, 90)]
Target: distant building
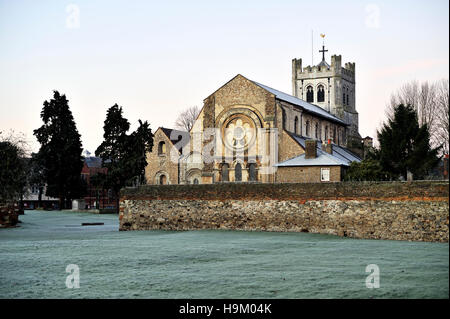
[(32, 201), (96, 198), (367, 146), (368, 142), (440, 172)]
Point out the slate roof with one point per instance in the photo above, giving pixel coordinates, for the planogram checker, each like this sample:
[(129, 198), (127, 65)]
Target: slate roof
[(175, 136), (340, 156), (324, 63), (322, 159), (92, 161), (308, 107)]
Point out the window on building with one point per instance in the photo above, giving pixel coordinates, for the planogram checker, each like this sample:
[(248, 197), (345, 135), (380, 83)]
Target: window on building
[(296, 125), (317, 131), (252, 172), (225, 173), (343, 99), (195, 181), (348, 103), (309, 94), (162, 180), (320, 94), (307, 128), (334, 134), (238, 172), (326, 132), (284, 117), (324, 174), (161, 148)]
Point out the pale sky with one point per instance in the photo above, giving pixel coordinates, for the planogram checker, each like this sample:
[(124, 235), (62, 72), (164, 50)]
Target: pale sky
[(156, 58)]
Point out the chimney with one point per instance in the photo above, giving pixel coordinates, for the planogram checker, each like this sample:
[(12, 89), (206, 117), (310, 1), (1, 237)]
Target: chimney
[(310, 149), (327, 147)]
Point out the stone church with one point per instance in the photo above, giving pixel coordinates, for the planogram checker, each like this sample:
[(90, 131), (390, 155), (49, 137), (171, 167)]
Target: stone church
[(249, 132)]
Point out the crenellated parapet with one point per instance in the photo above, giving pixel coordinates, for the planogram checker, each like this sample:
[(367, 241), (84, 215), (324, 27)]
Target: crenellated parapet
[(329, 86)]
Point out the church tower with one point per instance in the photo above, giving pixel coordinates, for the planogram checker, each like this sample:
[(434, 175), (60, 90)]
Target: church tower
[(332, 87)]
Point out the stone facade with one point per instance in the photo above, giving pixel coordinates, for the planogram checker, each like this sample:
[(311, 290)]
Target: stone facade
[(242, 131), (400, 211), (238, 101), (9, 214), (311, 126), (338, 84), (308, 174), (288, 148), (161, 169)]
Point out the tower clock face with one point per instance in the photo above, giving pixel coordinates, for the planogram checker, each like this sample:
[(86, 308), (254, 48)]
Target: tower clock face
[(239, 133)]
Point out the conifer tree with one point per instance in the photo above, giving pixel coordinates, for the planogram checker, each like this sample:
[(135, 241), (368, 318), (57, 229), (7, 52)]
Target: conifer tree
[(12, 172), (60, 151), (123, 155), (405, 146)]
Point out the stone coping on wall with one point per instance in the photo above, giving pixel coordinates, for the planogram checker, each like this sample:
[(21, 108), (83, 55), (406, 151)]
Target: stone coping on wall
[(391, 191)]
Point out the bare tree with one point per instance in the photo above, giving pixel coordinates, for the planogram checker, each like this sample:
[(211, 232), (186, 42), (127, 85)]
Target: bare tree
[(185, 121), (429, 100), (442, 111), (18, 139)]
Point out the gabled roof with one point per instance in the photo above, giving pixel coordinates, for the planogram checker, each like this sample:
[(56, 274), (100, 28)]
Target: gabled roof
[(308, 107), (93, 162), (322, 159), (340, 155), (175, 135)]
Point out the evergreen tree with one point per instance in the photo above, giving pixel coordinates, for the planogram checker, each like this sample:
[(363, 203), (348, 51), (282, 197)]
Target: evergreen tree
[(123, 155), (60, 152), (367, 170), (12, 172), (405, 146)]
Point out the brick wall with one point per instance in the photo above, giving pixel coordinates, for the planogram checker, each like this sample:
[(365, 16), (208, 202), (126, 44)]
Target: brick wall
[(307, 174)]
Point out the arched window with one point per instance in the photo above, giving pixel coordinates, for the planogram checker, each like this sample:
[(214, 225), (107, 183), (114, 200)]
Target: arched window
[(161, 148), (334, 134), (252, 172), (238, 173), (195, 181), (326, 132), (162, 180), (284, 117), (225, 175), (348, 98), (317, 131), (320, 94), (309, 94), (343, 99), (307, 128), (296, 125)]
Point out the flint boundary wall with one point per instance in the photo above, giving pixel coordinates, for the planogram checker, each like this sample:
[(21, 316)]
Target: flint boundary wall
[(417, 211)]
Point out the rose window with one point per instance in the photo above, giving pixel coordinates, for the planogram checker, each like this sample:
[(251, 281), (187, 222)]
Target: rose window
[(239, 133)]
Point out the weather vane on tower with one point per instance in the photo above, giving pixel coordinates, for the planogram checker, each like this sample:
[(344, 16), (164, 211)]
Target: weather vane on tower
[(323, 47)]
